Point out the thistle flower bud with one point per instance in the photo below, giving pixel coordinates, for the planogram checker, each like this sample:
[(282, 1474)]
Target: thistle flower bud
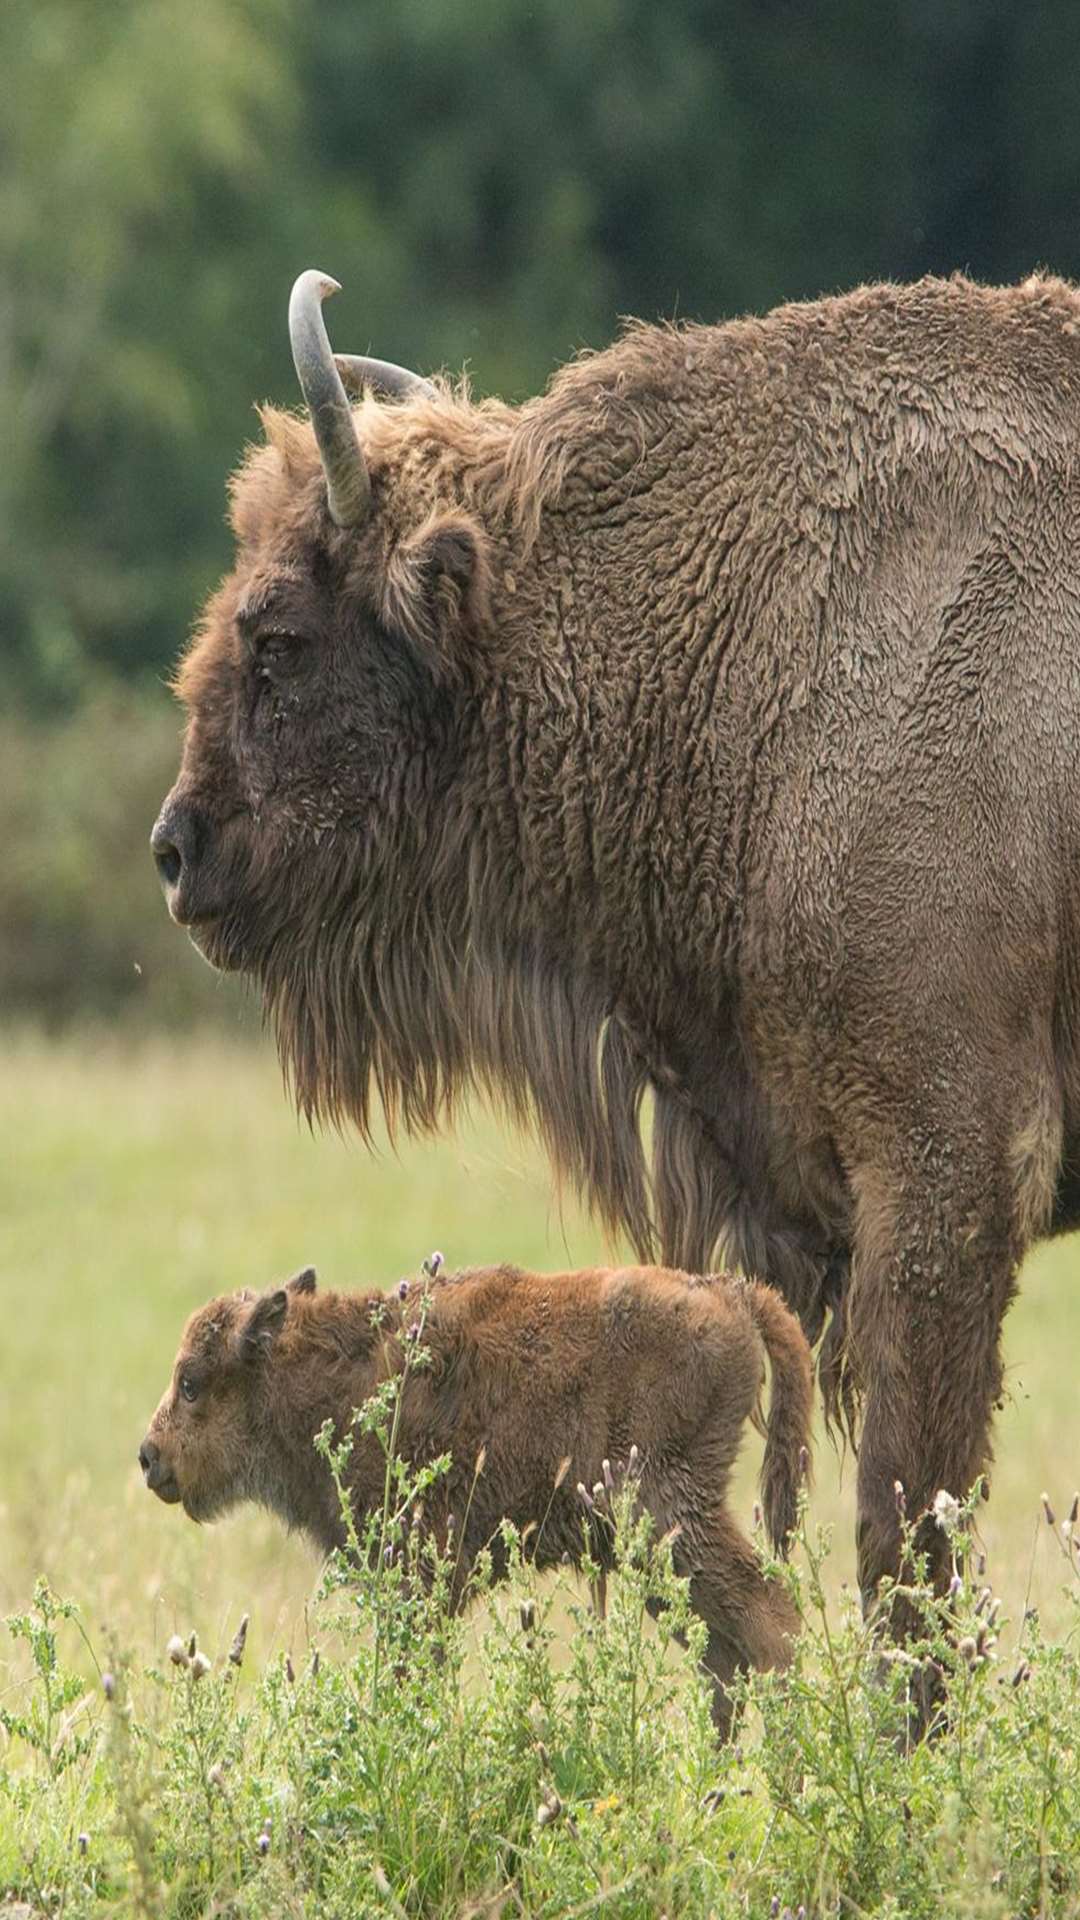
[(177, 1651), (431, 1265), (774, 1907), (956, 1587), (108, 1685), (83, 1843), (757, 1517), (900, 1497), (1074, 1510), (599, 1493), (968, 1650), (315, 1664), (946, 1510), (527, 1612), (1048, 1511), (804, 1462), (200, 1665), (980, 1564), (1023, 1672), (403, 1290), (585, 1495), (262, 1844), (191, 1645), (633, 1462), (982, 1602), (236, 1651), (290, 1674), (412, 1332), (609, 1477)]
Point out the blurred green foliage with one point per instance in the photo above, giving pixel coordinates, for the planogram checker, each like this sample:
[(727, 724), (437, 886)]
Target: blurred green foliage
[(494, 182)]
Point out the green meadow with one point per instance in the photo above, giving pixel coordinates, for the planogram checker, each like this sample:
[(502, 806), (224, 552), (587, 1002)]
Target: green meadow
[(139, 1177)]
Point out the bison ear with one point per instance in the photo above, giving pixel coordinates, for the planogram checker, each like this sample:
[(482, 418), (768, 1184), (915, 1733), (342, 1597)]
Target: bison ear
[(303, 1282), (436, 592), (264, 1323)]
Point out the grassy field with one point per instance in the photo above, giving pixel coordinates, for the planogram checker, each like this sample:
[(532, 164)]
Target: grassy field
[(136, 1180), (134, 1183)]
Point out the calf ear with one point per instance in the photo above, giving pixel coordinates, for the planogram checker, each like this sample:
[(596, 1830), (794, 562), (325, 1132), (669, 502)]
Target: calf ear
[(264, 1323), (436, 593), (303, 1282)]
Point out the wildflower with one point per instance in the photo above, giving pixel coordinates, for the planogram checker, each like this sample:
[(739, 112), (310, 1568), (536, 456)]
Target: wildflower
[(946, 1510), (956, 1587), (968, 1650), (900, 1497), (108, 1685), (550, 1807), (804, 1462), (191, 1647), (1023, 1672), (216, 1775), (177, 1651), (84, 1843), (200, 1665), (1074, 1510), (609, 1478), (431, 1265), (236, 1651), (757, 1517), (1048, 1510), (315, 1664), (633, 1463), (585, 1495), (262, 1844), (403, 1290), (527, 1611), (289, 1673), (412, 1332)]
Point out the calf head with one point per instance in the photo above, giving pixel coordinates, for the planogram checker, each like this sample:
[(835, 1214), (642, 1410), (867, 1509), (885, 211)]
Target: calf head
[(205, 1442)]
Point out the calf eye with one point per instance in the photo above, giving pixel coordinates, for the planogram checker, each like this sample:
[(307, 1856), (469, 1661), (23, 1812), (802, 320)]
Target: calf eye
[(188, 1387)]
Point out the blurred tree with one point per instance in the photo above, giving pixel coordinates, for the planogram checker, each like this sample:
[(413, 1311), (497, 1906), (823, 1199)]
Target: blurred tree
[(137, 140), (494, 181)]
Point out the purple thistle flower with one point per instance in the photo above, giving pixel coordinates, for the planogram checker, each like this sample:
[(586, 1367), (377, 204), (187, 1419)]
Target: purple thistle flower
[(403, 1290), (108, 1685)]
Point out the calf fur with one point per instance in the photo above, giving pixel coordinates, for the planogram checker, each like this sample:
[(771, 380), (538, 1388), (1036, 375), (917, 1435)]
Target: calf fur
[(532, 1369)]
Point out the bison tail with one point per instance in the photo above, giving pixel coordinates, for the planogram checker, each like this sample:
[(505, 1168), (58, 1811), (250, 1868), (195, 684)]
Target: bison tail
[(787, 1432)]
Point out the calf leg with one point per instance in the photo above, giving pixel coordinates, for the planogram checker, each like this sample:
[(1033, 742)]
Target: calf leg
[(751, 1621)]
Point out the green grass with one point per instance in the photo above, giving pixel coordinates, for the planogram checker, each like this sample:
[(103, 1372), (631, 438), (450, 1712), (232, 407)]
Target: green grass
[(136, 1180)]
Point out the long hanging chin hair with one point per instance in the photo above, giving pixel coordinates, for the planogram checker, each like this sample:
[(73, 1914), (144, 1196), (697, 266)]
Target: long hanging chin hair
[(398, 1004)]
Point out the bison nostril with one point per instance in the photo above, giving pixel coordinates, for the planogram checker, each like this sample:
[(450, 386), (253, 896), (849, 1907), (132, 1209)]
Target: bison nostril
[(148, 1457), (169, 864)]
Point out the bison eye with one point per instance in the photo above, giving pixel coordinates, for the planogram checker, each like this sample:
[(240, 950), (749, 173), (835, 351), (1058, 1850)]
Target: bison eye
[(189, 1388), (274, 647)]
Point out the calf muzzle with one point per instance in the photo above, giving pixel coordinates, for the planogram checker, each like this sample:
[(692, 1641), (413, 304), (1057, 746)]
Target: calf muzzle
[(159, 1478)]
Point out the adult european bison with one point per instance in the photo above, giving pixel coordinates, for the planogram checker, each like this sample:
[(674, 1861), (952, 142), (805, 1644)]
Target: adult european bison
[(533, 1370), (710, 727)]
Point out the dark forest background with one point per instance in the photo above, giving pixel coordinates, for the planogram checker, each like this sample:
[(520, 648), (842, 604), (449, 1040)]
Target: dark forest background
[(495, 182)]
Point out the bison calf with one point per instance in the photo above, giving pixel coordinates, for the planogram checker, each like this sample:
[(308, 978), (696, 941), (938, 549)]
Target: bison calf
[(531, 1368)]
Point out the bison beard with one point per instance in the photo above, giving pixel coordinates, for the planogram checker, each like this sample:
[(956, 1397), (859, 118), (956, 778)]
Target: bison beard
[(707, 730), (406, 1006)]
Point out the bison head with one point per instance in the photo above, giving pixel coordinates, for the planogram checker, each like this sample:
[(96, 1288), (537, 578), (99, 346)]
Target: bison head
[(204, 1445), (323, 689)]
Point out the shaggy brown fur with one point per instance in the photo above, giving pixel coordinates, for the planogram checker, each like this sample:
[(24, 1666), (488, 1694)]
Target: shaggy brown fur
[(533, 1370), (708, 727)]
